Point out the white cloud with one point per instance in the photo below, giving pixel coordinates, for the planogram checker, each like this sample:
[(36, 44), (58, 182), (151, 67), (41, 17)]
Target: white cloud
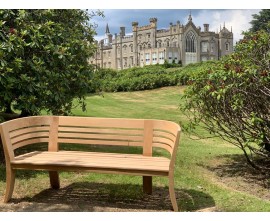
[(237, 19)]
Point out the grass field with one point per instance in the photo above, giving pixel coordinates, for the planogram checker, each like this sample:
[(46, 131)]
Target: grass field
[(210, 175)]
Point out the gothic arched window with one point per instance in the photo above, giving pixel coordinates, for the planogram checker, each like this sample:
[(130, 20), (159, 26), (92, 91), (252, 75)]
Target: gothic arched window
[(191, 42)]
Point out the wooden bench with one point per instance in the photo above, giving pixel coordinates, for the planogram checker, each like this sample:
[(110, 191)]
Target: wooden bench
[(95, 131)]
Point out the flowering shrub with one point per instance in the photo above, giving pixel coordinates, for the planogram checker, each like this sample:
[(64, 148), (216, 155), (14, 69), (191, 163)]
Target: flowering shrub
[(232, 98)]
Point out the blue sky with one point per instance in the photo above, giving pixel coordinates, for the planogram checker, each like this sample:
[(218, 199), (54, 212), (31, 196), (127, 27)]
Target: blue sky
[(237, 18)]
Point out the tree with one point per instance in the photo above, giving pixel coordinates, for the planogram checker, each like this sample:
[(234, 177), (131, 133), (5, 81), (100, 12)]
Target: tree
[(261, 21), (44, 59), (231, 99)]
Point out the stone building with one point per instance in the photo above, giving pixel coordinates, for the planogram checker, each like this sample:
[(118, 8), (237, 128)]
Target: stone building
[(148, 45)]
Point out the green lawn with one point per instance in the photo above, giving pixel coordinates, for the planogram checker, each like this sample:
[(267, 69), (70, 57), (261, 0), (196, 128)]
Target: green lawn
[(207, 171)]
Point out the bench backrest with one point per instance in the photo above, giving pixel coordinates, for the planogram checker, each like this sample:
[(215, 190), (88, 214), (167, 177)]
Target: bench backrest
[(88, 130), (24, 131)]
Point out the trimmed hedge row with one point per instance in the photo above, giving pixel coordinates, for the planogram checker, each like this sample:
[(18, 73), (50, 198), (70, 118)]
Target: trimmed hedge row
[(145, 78)]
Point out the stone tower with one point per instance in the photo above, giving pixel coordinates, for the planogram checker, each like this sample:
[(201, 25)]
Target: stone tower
[(225, 41)]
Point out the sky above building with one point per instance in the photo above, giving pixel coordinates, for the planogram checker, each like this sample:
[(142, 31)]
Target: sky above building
[(237, 19)]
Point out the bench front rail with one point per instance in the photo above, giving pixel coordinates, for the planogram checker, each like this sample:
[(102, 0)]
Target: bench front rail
[(94, 131)]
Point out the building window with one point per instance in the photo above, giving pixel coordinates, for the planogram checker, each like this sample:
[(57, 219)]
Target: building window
[(148, 35), (118, 63), (140, 47), (131, 48), (170, 55), (160, 44), (154, 58), (149, 45), (204, 46), (191, 42), (125, 48), (168, 43), (161, 55), (109, 54), (175, 56), (131, 61), (227, 46), (147, 58), (174, 44), (212, 47), (125, 62)]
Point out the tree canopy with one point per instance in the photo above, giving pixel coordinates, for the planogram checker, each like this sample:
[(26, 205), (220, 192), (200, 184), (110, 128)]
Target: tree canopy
[(44, 59), (261, 21)]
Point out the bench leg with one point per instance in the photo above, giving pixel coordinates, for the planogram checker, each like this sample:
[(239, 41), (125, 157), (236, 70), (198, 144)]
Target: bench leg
[(54, 179), (147, 184), (10, 181), (172, 193)]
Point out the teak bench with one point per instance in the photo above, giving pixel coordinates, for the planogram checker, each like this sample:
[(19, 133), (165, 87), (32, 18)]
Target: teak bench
[(96, 131)]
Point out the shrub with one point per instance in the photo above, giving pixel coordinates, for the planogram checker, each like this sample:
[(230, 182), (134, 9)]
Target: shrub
[(44, 59), (143, 78), (231, 99)]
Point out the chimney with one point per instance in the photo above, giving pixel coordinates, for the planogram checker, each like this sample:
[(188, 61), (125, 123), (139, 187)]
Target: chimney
[(122, 31), (206, 27), (153, 22), (135, 26)]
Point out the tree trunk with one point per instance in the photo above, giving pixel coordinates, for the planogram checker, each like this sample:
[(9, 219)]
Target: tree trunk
[(25, 113), (8, 109), (2, 156)]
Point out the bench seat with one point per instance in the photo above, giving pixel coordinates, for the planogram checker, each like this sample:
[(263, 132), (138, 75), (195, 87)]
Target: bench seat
[(91, 133), (93, 161)]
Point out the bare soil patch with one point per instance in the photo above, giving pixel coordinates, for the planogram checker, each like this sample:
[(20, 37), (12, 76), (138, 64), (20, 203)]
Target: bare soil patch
[(233, 172)]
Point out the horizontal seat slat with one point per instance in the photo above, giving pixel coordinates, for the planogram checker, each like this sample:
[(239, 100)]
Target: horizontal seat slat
[(102, 155), (96, 160)]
